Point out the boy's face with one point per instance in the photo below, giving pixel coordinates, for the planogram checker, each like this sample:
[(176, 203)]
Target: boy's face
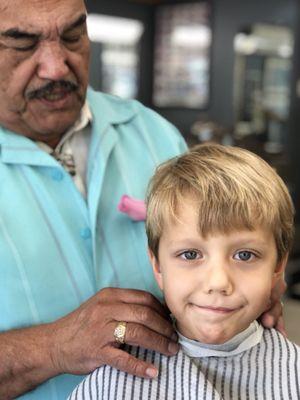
[(214, 287)]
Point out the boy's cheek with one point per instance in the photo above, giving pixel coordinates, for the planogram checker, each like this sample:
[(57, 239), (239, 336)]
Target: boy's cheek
[(266, 304), (156, 269), (159, 280), (274, 281), (278, 275), (263, 300)]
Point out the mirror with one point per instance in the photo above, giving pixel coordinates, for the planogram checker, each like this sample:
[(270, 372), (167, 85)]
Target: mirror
[(115, 54), (263, 66), (182, 55)]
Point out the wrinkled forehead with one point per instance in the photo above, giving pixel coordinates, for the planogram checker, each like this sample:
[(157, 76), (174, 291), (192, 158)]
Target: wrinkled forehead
[(39, 16)]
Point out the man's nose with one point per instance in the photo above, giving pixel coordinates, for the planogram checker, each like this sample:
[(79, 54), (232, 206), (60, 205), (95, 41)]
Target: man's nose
[(218, 279), (52, 62)]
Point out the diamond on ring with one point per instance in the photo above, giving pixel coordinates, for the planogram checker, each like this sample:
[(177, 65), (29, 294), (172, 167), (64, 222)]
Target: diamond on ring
[(120, 332)]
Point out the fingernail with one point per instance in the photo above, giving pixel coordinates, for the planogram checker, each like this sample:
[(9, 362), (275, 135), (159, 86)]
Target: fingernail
[(173, 347), (174, 337), (152, 372)]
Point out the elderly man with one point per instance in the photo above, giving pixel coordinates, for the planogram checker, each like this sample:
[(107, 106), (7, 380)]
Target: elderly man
[(67, 156)]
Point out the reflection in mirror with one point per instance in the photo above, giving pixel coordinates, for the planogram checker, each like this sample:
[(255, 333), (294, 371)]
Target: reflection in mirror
[(115, 54), (263, 65), (182, 55)]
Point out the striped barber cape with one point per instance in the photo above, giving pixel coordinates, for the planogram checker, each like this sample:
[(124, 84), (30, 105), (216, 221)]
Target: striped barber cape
[(267, 371)]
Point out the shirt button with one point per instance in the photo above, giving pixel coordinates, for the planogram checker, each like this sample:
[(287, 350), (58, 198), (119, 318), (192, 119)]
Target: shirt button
[(57, 175), (85, 233)]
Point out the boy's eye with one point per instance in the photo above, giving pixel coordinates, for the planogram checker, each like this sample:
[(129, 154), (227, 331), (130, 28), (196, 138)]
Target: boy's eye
[(190, 255), (244, 255)]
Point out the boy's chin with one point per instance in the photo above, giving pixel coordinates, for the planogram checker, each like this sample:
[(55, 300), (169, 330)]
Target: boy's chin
[(205, 337), (210, 336)]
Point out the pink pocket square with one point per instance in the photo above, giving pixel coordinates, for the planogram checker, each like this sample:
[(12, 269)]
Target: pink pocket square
[(135, 209)]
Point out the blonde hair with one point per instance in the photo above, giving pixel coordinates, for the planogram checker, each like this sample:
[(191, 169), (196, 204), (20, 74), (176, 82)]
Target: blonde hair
[(234, 189)]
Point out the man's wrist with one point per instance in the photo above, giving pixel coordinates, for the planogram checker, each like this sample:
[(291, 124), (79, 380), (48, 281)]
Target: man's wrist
[(26, 359), (53, 348)]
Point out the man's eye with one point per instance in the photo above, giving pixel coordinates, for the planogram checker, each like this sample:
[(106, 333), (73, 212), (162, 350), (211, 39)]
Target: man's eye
[(74, 36), (244, 255), (71, 39), (190, 255), (25, 48), (20, 45)]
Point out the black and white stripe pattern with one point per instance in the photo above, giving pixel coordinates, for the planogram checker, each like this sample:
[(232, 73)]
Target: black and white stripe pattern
[(267, 371)]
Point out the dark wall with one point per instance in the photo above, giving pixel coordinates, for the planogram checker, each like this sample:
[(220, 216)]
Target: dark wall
[(294, 128), (229, 16)]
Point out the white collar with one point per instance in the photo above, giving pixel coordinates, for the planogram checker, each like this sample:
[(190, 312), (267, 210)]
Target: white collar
[(83, 120), (239, 343)]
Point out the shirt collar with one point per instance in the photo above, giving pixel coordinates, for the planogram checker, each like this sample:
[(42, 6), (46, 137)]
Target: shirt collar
[(84, 119), (113, 110), (239, 343)]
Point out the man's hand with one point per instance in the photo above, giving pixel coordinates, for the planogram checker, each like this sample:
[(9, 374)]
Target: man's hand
[(272, 318), (84, 339)]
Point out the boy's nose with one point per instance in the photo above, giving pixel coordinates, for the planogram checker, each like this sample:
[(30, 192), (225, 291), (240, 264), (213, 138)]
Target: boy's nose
[(218, 279), (52, 62)]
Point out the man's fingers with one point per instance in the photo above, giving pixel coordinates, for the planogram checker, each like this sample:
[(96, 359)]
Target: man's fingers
[(138, 335), (140, 314), (270, 317), (278, 290), (280, 326), (126, 362), (267, 320), (133, 296)]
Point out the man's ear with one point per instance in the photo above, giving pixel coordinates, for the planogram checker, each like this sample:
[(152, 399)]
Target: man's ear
[(156, 268), (279, 270)]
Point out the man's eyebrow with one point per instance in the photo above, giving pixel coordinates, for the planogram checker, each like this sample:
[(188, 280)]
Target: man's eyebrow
[(80, 21), (15, 33)]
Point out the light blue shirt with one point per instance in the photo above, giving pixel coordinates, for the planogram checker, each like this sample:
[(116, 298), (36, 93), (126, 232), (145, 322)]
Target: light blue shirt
[(57, 249)]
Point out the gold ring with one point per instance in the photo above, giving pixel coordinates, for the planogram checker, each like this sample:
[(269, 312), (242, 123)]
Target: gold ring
[(120, 331)]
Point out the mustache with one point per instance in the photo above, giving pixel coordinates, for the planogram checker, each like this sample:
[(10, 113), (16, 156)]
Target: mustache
[(67, 86)]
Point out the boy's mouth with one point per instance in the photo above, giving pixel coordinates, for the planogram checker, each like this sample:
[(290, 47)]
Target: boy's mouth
[(217, 309), (222, 310)]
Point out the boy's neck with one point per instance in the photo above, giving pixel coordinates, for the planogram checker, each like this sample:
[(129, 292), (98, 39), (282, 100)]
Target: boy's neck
[(239, 343)]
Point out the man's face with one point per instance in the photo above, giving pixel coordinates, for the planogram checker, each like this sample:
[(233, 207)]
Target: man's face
[(214, 286), (44, 57)]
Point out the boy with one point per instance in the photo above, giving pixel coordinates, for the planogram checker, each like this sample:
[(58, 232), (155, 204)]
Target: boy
[(220, 227)]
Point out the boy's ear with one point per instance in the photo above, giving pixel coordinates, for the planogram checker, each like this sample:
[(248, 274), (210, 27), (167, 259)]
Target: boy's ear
[(279, 270), (156, 268)]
